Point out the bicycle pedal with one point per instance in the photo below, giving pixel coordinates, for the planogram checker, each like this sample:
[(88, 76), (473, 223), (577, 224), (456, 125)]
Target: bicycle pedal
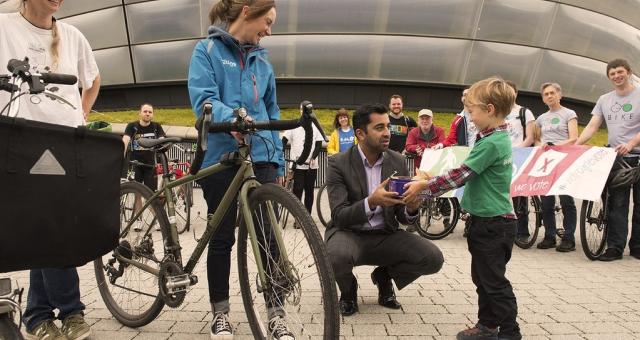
[(178, 283)]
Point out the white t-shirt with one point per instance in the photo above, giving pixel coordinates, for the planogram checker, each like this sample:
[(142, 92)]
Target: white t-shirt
[(19, 38), (472, 130), (514, 124), (296, 138), (554, 125)]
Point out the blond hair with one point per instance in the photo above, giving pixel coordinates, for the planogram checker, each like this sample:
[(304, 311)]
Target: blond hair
[(536, 134), (55, 42), (494, 91)]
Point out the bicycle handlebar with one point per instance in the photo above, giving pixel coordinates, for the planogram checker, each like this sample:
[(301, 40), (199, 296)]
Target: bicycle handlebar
[(241, 124)]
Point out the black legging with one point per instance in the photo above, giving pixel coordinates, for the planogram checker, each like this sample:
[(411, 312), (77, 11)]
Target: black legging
[(305, 179)]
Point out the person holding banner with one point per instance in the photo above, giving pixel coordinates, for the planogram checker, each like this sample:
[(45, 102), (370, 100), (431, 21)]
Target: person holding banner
[(559, 126), (620, 109), (486, 174)]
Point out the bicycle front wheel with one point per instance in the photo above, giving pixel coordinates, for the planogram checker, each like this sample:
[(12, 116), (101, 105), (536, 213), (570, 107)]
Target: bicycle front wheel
[(300, 285), (593, 228), (322, 206), (183, 198), (131, 294), (526, 239), (438, 217)]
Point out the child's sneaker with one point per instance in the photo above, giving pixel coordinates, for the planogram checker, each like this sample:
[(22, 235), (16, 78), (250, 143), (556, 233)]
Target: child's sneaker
[(478, 332), (46, 330), (75, 328), (221, 327)]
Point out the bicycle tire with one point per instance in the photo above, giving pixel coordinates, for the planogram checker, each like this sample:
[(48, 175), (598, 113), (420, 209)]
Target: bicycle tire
[(183, 206), (322, 203), (534, 206), (593, 228), (139, 310), (9, 330), (305, 242), (425, 227)]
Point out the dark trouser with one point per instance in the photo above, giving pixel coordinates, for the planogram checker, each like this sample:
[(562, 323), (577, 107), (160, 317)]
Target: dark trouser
[(220, 245), (51, 289), (146, 175), (490, 241), (305, 179), (406, 256), (521, 208), (618, 219), (549, 216)]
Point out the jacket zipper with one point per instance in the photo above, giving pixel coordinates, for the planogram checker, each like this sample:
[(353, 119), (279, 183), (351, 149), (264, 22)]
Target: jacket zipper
[(255, 89)]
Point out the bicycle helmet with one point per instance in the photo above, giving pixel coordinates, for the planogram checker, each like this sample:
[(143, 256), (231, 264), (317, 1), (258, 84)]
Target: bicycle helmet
[(626, 176)]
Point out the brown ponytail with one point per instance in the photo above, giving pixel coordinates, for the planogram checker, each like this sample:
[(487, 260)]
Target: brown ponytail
[(227, 11)]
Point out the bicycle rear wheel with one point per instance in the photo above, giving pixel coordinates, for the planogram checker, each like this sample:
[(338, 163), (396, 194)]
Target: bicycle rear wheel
[(301, 289), (534, 213), (323, 209), (131, 294), (438, 217), (593, 228), (183, 198)]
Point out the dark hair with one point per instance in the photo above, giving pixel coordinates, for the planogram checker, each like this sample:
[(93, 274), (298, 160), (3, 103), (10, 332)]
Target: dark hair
[(396, 96), (361, 116), (227, 11), (147, 104), (512, 84), (615, 63), (340, 113)]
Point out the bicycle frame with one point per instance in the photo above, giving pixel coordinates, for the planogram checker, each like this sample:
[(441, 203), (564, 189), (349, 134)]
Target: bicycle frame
[(242, 183)]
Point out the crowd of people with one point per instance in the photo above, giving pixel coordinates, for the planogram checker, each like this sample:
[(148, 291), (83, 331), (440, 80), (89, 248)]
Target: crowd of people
[(231, 70)]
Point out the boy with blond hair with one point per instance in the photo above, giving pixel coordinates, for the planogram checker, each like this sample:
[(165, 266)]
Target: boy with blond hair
[(486, 174)]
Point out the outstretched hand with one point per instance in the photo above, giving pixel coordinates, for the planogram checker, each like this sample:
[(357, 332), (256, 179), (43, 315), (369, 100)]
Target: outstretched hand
[(413, 190), (382, 197)]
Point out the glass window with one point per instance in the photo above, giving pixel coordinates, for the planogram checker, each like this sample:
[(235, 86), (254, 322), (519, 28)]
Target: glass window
[(516, 21), (73, 7), (166, 61), (94, 25), (163, 20), (205, 7), (327, 16), (580, 78), (511, 62), (593, 35), (434, 17), (114, 65), (625, 10)]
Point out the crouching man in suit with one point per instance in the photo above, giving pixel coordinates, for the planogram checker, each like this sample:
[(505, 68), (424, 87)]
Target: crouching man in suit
[(365, 216)]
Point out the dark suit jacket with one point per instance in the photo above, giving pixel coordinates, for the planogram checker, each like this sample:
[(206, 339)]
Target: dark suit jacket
[(347, 186)]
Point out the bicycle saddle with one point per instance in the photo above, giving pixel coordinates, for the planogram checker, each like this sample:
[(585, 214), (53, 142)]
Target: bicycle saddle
[(159, 143)]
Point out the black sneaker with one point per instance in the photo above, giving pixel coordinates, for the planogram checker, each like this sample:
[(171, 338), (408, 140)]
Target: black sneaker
[(635, 254), (221, 327), (566, 246), (610, 254), (547, 243), (278, 329), (478, 332)]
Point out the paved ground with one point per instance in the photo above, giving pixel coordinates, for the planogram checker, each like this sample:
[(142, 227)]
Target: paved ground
[(560, 296)]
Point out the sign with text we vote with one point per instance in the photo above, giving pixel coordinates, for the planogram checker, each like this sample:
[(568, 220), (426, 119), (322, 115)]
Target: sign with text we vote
[(578, 171)]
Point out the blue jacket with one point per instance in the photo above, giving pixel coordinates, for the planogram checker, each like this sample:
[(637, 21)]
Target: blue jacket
[(232, 76)]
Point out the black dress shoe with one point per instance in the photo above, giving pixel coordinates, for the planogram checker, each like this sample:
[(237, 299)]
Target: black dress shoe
[(386, 294), (610, 254), (348, 307)]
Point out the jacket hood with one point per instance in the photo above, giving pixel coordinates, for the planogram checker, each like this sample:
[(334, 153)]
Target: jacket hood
[(217, 32)]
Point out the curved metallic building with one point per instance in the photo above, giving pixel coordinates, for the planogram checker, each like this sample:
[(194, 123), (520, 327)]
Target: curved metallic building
[(344, 52)]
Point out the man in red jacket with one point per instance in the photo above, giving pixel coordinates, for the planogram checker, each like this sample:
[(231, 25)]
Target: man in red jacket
[(426, 136)]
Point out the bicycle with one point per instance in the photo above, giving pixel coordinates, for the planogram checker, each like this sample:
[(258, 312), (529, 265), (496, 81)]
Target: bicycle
[(10, 311), (534, 213), (438, 217), (323, 208), (277, 267), (594, 214)]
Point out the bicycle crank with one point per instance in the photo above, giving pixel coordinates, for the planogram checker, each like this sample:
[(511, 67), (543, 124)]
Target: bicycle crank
[(173, 282)]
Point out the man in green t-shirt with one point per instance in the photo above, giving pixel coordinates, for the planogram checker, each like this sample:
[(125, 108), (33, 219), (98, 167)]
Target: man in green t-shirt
[(486, 174)]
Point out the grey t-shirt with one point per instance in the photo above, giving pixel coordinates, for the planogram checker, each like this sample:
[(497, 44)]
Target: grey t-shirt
[(554, 125), (622, 115)]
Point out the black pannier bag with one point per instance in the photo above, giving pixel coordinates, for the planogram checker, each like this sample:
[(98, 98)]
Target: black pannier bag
[(59, 198)]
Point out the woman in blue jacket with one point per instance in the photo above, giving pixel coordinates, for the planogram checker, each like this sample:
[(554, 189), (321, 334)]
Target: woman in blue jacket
[(230, 70)]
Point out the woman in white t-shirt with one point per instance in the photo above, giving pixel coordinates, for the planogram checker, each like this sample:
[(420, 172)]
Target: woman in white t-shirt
[(559, 126), (51, 46)]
